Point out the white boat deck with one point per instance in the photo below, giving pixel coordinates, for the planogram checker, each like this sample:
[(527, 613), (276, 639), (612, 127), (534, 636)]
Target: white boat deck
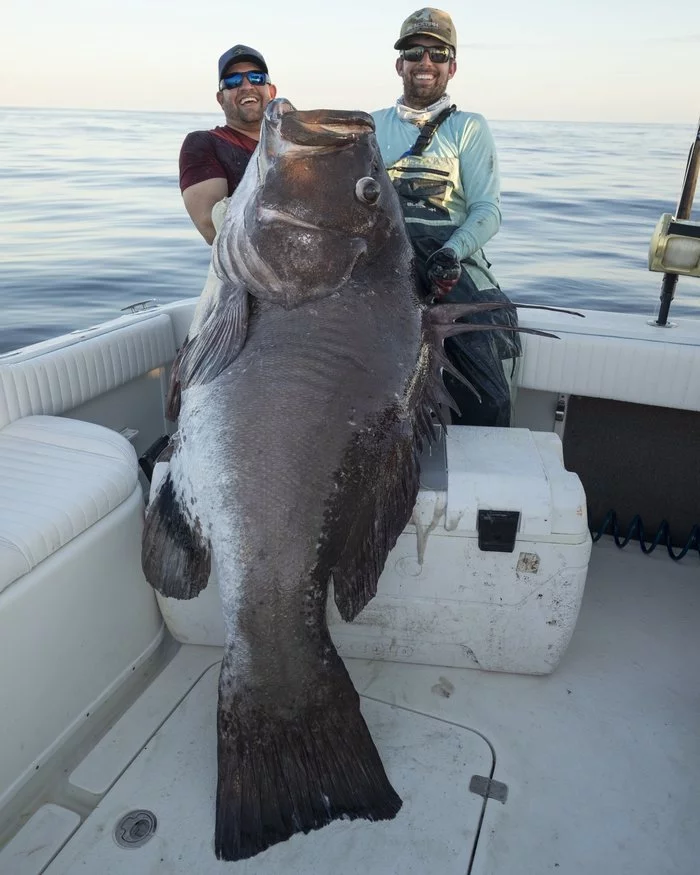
[(601, 759)]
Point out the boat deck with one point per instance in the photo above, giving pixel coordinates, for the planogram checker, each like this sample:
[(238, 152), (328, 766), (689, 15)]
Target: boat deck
[(600, 761)]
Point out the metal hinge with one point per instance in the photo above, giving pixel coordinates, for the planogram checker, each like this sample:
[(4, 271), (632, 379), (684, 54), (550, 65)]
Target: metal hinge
[(140, 306), (560, 415), (488, 788)]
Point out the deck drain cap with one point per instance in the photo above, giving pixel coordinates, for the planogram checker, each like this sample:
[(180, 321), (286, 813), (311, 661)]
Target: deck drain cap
[(135, 828)]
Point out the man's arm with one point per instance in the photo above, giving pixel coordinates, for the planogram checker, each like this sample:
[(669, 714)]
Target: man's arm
[(199, 200), (481, 183)]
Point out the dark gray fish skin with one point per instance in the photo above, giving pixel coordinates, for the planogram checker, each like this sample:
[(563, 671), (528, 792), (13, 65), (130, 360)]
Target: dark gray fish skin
[(285, 695), (296, 459)]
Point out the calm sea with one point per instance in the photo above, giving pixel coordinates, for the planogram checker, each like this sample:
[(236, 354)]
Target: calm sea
[(91, 218)]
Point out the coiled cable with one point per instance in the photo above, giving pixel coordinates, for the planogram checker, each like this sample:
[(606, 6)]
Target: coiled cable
[(636, 530)]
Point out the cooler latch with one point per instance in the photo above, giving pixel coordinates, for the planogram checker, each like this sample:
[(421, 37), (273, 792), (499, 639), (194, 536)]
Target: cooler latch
[(497, 530), (488, 788)]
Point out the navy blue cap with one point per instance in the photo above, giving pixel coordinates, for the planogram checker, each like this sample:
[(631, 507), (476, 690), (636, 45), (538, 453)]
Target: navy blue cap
[(241, 53)]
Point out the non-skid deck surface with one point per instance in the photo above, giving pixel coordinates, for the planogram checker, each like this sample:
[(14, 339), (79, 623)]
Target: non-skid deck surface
[(429, 762), (601, 759)]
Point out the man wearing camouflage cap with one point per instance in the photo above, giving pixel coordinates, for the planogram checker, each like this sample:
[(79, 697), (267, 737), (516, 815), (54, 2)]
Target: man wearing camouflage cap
[(444, 166)]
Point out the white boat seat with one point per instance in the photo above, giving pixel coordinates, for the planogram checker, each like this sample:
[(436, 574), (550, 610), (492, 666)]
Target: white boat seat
[(59, 375), (57, 478)]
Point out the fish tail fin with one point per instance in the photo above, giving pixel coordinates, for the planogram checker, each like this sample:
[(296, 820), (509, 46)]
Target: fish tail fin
[(285, 769), (175, 556)]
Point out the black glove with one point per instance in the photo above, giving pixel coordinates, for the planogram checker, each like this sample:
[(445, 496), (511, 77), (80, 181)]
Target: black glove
[(443, 269)]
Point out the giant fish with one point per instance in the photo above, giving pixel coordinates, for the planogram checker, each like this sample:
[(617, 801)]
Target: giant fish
[(308, 382)]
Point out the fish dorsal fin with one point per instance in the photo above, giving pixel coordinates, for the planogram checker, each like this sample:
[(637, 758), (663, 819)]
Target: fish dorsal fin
[(440, 322), (218, 342)]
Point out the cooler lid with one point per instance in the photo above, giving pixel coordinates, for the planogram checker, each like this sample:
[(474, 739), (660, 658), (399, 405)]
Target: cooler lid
[(513, 469)]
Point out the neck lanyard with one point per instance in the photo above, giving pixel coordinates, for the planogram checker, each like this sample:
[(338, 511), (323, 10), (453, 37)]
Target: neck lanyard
[(427, 132)]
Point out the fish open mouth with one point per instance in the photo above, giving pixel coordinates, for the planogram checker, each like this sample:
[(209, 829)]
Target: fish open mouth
[(321, 127), (320, 130)]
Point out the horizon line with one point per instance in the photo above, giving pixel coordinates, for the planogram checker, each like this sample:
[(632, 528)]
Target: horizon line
[(214, 112)]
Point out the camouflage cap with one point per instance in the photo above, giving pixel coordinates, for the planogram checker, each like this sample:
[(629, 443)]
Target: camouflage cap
[(428, 22)]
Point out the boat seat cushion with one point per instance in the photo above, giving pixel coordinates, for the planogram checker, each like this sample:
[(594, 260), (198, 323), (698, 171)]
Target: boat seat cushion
[(57, 478), (44, 379)]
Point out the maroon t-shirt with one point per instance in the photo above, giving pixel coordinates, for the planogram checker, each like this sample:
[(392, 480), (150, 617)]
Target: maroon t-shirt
[(221, 152)]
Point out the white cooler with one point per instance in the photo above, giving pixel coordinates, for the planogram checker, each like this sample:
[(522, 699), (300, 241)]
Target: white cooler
[(489, 574)]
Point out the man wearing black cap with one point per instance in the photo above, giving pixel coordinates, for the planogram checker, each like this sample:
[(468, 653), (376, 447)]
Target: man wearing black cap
[(444, 166), (212, 162)]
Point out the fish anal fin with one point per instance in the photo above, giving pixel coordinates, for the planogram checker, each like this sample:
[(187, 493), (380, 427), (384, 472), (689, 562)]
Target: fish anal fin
[(175, 556), (293, 770), (379, 495)]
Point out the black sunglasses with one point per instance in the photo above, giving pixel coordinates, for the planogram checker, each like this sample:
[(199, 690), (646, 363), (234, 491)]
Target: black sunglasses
[(255, 77), (437, 54)]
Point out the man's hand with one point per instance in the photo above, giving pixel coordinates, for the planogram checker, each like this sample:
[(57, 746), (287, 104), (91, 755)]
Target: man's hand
[(218, 213), (444, 269)]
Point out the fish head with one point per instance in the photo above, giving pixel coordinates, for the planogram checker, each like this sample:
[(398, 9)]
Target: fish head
[(314, 206)]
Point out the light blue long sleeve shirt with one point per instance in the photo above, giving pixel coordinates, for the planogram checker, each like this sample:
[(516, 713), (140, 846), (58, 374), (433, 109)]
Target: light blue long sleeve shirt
[(464, 153)]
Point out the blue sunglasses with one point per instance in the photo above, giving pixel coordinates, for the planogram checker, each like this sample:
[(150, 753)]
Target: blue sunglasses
[(255, 77)]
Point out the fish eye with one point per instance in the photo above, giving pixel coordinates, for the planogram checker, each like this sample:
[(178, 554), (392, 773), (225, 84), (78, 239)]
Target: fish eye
[(367, 190)]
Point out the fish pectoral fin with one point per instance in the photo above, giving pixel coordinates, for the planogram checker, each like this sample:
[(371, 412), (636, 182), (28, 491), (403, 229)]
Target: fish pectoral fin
[(378, 510), (175, 556), (213, 348), (292, 769)]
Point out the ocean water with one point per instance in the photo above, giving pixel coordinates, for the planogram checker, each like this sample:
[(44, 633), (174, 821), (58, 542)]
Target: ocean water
[(91, 217)]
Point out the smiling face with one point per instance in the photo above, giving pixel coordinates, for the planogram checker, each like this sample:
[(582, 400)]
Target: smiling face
[(423, 81), (244, 106)]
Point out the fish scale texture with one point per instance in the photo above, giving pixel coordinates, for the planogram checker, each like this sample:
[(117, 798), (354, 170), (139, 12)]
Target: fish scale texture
[(311, 380)]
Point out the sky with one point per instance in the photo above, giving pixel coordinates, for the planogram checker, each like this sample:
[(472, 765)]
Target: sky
[(598, 60)]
